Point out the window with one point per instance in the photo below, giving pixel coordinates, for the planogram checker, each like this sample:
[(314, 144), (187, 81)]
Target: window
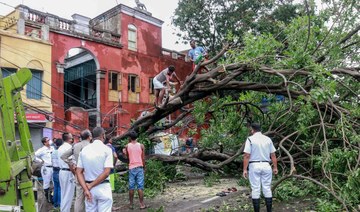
[(151, 85), (132, 37), (7, 71), (115, 81), (34, 86), (134, 83)]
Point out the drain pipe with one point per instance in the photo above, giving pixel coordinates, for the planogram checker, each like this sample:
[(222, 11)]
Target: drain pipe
[(98, 114)]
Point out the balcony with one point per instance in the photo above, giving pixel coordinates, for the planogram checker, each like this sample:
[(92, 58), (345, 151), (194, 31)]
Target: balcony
[(79, 27)]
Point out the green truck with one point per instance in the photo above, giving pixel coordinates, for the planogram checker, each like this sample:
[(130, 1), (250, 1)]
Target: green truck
[(16, 187)]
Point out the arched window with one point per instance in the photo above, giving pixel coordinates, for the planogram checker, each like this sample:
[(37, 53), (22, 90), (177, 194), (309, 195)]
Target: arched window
[(132, 37)]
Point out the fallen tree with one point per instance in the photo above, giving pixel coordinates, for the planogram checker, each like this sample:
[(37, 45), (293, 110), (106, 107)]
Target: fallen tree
[(315, 70)]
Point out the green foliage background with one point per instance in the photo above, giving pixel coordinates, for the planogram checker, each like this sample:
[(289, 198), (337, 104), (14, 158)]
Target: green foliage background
[(294, 37)]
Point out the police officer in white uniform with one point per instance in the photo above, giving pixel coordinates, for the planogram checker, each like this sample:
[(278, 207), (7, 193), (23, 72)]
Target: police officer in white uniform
[(257, 152), (93, 169), (44, 154), (66, 175)]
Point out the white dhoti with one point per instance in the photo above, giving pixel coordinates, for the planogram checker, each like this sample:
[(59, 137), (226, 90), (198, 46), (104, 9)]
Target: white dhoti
[(67, 185), (157, 84), (101, 199), (260, 176), (46, 174)]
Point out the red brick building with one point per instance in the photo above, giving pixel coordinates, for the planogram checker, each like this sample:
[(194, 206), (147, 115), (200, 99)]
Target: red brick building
[(102, 67)]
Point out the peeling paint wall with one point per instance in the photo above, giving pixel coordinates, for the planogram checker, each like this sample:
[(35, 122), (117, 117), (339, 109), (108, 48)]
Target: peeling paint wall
[(145, 62)]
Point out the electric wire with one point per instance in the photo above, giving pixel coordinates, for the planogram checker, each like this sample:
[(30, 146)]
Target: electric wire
[(36, 109), (55, 118), (44, 95), (66, 94), (51, 99), (33, 56)]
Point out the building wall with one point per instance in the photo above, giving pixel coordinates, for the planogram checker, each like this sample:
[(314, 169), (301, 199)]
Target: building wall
[(111, 53), (148, 35), (22, 51), (9, 21)]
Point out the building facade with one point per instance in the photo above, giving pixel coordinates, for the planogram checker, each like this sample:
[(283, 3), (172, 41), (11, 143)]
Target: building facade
[(101, 68), (18, 51)]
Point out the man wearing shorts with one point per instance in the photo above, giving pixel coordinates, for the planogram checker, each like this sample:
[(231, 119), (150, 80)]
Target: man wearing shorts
[(164, 76), (136, 154)]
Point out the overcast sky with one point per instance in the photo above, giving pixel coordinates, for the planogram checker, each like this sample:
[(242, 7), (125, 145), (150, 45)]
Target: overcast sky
[(161, 9)]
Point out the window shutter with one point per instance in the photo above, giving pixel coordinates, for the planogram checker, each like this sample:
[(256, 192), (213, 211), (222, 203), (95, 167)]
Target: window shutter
[(120, 76), (109, 79), (151, 86), (34, 86), (137, 85)]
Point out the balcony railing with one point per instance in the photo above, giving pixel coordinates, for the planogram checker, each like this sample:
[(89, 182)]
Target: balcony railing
[(175, 55), (56, 23)]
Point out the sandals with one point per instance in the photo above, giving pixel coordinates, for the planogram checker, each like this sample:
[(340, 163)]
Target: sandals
[(221, 194), (131, 207), (142, 208), (226, 192)]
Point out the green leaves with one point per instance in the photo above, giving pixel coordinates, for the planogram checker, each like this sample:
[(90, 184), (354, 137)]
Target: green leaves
[(209, 21), (305, 49), (292, 188), (259, 48)]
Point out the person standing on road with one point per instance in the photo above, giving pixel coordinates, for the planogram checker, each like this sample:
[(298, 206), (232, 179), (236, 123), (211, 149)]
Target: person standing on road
[(93, 169), (85, 137), (56, 169), (136, 154), (66, 176), (44, 154), (257, 152)]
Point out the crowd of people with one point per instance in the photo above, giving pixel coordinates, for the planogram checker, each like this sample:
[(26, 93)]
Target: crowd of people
[(86, 169)]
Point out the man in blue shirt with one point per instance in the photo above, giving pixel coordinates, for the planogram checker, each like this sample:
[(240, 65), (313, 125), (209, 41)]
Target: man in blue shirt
[(196, 51)]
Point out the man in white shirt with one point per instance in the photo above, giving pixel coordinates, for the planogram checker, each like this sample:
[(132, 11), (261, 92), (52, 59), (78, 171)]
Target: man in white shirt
[(86, 137), (66, 176), (56, 170), (93, 169), (257, 152), (44, 154)]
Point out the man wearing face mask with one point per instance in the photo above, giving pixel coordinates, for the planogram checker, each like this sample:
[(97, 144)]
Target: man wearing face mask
[(85, 137), (44, 154)]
